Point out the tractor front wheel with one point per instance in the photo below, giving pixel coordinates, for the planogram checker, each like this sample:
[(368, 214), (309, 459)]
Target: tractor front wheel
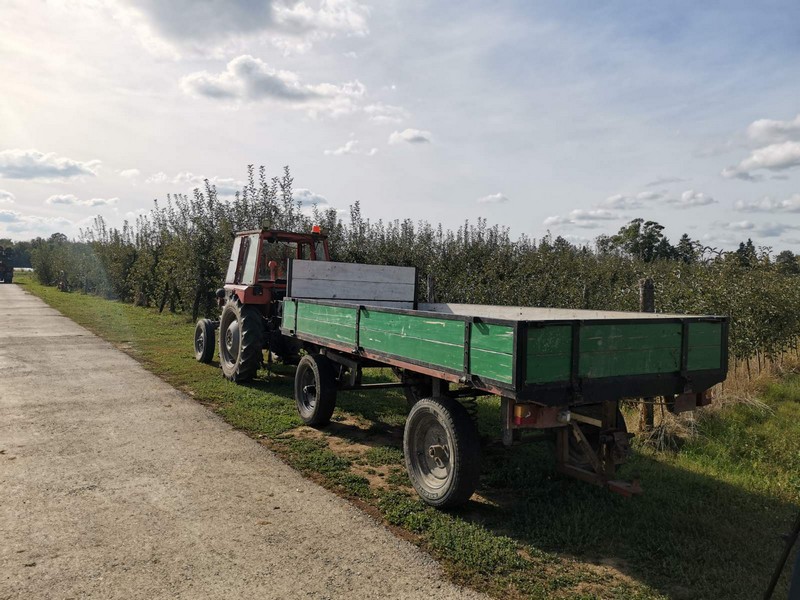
[(204, 341), (240, 341)]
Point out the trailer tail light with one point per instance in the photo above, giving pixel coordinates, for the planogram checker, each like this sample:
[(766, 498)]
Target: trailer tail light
[(316, 229)]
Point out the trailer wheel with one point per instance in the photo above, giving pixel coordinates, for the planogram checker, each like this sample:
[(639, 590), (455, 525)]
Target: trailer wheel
[(240, 341), (315, 389), (442, 452), (204, 341)]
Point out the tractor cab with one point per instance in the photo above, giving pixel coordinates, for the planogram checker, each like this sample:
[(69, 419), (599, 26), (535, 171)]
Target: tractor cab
[(260, 260)]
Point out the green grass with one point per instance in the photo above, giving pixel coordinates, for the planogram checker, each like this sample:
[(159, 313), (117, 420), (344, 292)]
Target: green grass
[(707, 525)]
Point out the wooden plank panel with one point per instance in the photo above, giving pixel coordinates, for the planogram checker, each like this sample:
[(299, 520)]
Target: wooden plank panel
[(705, 346), (337, 323), (610, 337), (636, 361), (449, 331), (336, 271), (361, 291), (437, 342), (349, 281), (491, 351), (549, 356), (288, 315), (497, 338), (491, 365)]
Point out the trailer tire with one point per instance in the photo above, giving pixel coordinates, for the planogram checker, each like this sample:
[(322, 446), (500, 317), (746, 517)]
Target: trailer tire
[(204, 341), (315, 405), (442, 452), (240, 341)]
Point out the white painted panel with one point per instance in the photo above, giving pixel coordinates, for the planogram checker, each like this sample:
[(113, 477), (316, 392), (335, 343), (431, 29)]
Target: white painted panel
[(315, 269), (351, 282), (532, 313)]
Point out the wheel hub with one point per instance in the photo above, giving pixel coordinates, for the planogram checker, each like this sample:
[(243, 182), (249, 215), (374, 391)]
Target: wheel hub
[(232, 339), (440, 455)]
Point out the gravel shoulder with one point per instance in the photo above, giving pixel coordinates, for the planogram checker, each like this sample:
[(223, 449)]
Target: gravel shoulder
[(115, 485)]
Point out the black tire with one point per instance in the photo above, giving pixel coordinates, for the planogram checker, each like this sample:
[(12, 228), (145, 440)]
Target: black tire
[(576, 455), (240, 341), (315, 389), (204, 334), (417, 387), (442, 452)]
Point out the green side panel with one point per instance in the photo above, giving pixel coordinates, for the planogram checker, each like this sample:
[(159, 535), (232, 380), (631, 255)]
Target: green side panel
[(430, 340), (549, 355), (705, 346), (610, 350), (491, 351), (288, 315), (336, 323)]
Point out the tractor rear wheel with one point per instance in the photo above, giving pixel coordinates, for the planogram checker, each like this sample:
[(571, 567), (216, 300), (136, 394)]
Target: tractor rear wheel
[(240, 341), (204, 341)]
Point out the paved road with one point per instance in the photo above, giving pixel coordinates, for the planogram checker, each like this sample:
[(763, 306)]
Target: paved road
[(115, 485)]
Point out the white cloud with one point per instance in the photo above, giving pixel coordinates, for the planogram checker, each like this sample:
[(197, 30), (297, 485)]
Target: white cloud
[(64, 199), (775, 157), (307, 198), (691, 199), (249, 79), (130, 173), (587, 219), (333, 16), (769, 131), (225, 186), (159, 177), (6, 197), (664, 181), (351, 147), (72, 200), (493, 199), (13, 222), (769, 205), (412, 136), (32, 164), (623, 201), (386, 113), (769, 229)]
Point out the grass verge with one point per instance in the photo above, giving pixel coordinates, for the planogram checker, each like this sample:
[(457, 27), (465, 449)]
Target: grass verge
[(706, 527)]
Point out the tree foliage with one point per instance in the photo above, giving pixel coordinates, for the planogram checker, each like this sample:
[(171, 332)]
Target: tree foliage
[(175, 257)]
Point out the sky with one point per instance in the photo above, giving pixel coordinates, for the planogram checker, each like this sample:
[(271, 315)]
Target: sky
[(568, 117)]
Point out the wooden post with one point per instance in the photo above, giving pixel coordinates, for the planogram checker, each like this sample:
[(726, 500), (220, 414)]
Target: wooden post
[(431, 295), (647, 303)]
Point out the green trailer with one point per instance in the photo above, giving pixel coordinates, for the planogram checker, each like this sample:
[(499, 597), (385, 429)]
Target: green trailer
[(553, 369), (556, 369)]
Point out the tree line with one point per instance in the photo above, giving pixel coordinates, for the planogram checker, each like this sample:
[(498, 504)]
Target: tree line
[(175, 257)]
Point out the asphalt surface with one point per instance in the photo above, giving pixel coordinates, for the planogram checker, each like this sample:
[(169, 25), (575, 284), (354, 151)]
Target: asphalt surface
[(115, 485)]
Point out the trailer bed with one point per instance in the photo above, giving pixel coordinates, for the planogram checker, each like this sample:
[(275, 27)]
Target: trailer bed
[(548, 356)]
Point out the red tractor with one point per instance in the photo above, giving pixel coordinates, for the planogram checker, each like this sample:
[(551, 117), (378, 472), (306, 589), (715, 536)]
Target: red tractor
[(255, 284)]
